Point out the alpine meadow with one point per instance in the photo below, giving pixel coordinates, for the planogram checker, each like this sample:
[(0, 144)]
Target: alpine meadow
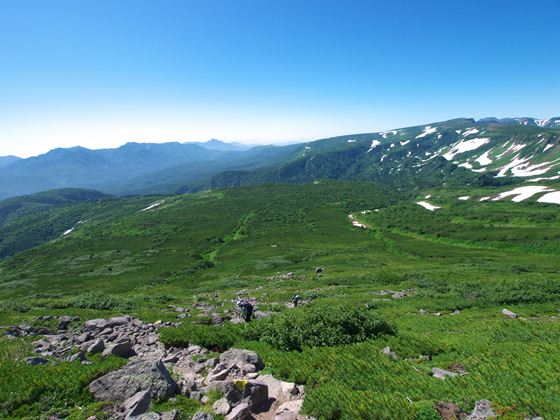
[(289, 270)]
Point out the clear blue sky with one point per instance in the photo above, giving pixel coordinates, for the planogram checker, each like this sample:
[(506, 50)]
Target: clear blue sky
[(103, 72)]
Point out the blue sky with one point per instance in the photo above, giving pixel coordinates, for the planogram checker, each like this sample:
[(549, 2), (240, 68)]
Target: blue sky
[(104, 72)]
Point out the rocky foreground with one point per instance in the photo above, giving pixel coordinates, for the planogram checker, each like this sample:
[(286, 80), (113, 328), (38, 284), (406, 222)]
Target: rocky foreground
[(156, 373)]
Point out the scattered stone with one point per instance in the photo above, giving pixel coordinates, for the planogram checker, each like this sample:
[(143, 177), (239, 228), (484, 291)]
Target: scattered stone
[(390, 353), (456, 312), (289, 410), (319, 269), (422, 312), (202, 416), (81, 356), (509, 314), (34, 361), (442, 373), (137, 404), (221, 407), (482, 411), (170, 415), (97, 347), (241, 412), (134, 377), (240, 357), (448, 410), (123, 348)]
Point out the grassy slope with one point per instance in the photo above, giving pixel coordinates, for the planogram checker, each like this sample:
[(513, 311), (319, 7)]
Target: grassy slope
[(207, 247)]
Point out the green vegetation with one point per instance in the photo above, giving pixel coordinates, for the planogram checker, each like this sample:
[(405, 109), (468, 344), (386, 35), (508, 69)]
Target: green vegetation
[(318, 327), (204, 251)]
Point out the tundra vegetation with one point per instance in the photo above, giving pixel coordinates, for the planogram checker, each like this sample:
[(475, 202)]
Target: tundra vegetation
[(430, 285)]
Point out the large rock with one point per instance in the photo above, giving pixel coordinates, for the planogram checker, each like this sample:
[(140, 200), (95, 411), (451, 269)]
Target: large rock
[(442, 373), (289, 410), (251, 392), (101, 324), (137, 404), (221, 407), (241, 357), (123, 348), (241, 412), (136, 376), (202, 416)]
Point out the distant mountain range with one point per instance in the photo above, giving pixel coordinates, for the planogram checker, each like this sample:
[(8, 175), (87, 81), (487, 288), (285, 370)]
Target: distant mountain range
[(489, 151)]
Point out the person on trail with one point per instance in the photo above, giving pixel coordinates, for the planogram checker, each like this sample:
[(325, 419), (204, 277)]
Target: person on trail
[(295, 300), (246, 309)]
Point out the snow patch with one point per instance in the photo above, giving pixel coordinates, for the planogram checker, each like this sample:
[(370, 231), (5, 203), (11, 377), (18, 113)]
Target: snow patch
[(484, 199), (548, 146), (484, 159), (374, 144), (404, 143), (552, 198), (427, 205), (466, 146), (470, 131), (427, 131), (154, 205), (549, 178), (464, 198), (351, 141), (522, 193)]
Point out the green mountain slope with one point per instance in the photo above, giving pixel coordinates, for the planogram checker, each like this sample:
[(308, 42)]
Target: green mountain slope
[(439, 278)]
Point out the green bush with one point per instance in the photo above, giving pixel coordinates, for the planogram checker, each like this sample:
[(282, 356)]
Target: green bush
[(317, 327), (101, 302), (216, 338)]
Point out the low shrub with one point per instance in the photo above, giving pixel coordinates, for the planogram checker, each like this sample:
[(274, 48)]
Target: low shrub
[(101, 302), (217, 338), (318, 326)]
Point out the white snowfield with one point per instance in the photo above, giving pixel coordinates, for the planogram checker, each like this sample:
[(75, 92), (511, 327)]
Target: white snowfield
[(427, 131), (464, 198), (374, 144), (522, 193), (404, 143), (549, 178), (466, 146), (552, 198), (548, 146), (427, 205), (522, 167), (66, 232)]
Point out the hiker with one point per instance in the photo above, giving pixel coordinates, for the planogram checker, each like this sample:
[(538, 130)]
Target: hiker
[(246, 309), (295, 300)]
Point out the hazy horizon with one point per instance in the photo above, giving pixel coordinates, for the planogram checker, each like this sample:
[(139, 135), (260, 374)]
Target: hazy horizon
[(101, 74)]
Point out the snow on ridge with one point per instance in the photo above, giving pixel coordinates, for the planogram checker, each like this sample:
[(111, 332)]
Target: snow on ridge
[(466, 146), (386, 133), (470, 131), (374, 144), (427, 205), (522, 193), (427, 131), (551, 198)]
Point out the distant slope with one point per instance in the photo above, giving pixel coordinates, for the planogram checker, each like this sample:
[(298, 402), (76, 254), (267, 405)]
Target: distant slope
[(8, 160), (29, 221), (79, 167), (460, 151)]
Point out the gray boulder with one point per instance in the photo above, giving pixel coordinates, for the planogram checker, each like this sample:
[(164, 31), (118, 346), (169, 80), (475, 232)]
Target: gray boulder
[(442, 373), (253, 393), (170, 415), (241, 357), (135, 377), (221, 407), (137, 404), (122, 348), (34, 361), (97, 347), (241, 412)]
